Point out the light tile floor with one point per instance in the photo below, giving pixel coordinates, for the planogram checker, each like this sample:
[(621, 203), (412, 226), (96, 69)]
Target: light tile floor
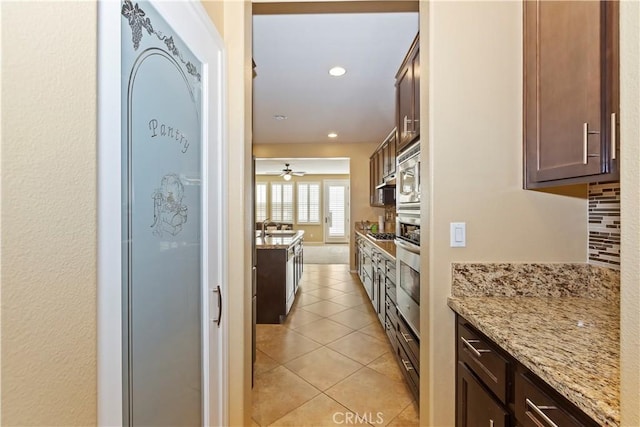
[(330, 363)]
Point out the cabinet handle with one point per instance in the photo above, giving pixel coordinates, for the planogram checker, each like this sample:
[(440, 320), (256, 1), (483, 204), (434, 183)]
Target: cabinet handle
[(613, 136), (469, 345), (405, 337), (406, 123), (585, 142), (218, 291), (407, 365), (538, 410), (490, 423)]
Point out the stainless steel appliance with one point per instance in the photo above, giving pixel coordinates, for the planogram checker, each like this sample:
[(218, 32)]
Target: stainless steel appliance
[(408, 179), (408, 267)]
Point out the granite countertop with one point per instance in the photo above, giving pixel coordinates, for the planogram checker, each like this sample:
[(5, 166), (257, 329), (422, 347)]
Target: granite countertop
[(572, 343), (386, 246), (278, 239)]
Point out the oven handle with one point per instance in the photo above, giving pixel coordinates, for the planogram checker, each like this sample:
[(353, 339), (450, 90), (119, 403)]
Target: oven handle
[(407, 246)]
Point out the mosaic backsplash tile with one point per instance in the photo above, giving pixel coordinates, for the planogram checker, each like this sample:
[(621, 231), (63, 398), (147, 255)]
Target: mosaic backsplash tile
[(604, 225)]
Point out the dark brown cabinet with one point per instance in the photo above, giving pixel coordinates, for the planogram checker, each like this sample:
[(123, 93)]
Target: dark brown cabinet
[(570, 92), (476, 407), (382, 167), (408, 96), (494, 389), (278, 274)]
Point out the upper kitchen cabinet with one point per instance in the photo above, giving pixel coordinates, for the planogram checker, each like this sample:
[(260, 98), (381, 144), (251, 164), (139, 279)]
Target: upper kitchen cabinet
[(570, 92), (408, 96)]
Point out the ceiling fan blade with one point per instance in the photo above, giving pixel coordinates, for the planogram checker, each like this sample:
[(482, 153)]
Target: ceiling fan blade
[(298, 173)]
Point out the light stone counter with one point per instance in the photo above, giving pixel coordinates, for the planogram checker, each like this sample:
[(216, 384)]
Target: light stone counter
[(569, 338), (276, 241)]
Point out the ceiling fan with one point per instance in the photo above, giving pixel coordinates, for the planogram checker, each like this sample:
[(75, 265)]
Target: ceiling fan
[(287, 173)]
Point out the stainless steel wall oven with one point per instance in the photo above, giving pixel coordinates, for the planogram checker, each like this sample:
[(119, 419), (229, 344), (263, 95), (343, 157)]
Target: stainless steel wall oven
[(408, 267)]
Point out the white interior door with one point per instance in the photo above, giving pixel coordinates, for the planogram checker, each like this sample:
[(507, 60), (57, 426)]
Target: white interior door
[(336, 211), (161, 230)]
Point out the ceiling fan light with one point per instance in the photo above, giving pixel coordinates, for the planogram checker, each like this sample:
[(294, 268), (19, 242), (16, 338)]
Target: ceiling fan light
[(286, 177), (332, 135)]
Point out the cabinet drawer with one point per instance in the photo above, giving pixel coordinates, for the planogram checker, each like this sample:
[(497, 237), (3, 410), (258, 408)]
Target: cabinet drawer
[(409, 370), (476, 406), (390, 328), (390, 290), (409, 341), (537, 405), (483, 358)]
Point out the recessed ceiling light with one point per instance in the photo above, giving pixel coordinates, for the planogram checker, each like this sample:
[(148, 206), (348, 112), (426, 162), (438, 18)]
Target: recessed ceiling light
[(280, 117), (337, 71), (333, 135)]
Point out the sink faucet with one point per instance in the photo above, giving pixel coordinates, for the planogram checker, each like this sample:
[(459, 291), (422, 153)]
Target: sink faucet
[(264, 225)]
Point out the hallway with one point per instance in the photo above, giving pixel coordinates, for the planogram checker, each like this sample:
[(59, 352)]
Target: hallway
[(330, 363)]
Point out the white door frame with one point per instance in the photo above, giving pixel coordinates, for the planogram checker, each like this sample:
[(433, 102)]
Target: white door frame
[(191, 22), (325, 198)]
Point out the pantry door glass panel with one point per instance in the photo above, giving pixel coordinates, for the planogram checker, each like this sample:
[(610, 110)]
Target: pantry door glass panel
[(162, 245)]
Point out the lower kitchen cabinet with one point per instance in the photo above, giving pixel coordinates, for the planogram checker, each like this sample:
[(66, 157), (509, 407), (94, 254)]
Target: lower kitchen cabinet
[(475, 405), (494, 389)]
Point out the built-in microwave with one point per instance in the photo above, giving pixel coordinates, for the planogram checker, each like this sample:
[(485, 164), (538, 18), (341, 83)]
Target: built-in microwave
[(408, 178)]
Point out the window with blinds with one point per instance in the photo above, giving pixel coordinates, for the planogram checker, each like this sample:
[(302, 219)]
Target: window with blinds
[(261, 201), (308, 203), (281, 202)]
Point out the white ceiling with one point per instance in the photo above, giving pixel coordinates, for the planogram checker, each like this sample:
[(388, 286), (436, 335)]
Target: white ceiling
[(324, 166), (293, 54)]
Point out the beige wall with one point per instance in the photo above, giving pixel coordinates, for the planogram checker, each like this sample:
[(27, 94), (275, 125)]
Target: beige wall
[(474, 144), (312, 233), (358, 155), (630, 207), (49, 213), (237, 38)]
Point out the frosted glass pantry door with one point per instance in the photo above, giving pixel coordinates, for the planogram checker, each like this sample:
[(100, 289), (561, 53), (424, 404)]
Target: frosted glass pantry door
[(162, 247)]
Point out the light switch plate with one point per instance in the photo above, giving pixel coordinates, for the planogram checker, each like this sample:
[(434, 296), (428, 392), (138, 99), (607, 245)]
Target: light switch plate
[(458, 234)]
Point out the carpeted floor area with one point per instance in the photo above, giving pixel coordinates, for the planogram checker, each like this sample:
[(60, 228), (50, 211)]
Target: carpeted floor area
[(336, 253)]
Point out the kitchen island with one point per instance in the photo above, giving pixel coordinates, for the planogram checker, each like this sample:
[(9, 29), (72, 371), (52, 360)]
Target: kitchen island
[(279, 257)]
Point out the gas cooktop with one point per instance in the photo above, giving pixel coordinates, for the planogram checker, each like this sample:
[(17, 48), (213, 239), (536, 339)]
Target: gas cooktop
[(382, 236)]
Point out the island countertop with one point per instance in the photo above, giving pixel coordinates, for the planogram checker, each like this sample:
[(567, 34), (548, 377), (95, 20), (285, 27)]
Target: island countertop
[(277, 240), (571, 343)]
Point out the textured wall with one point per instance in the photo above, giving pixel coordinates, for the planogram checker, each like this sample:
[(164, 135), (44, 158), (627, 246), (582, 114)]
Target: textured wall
[(474, 118), (630, 212), (49, 213)]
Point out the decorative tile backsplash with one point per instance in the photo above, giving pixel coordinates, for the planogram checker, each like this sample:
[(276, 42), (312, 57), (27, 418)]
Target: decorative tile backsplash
[(604, 225)]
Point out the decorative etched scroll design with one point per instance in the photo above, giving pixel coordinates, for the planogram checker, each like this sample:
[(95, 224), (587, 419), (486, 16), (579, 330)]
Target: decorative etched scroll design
[(138, 20), (169, 214)]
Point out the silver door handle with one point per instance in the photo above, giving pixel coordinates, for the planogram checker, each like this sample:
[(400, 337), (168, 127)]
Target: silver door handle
[(538, 411), (405, 337), (219, 292), (406, 122), (585, 142), (476, 351), (613, 136), (407, 365)]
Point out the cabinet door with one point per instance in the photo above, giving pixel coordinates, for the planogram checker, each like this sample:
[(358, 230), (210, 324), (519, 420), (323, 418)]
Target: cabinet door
[(381, 167), (568, 97), (475, 406), (404, 94), (373, 172), (415, 124), (391, 153)]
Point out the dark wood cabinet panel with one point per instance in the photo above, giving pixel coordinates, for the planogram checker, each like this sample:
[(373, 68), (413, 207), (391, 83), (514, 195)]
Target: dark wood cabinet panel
[(476, 407), (570, 92), (381, 167), (493, 388), (408, 97)]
